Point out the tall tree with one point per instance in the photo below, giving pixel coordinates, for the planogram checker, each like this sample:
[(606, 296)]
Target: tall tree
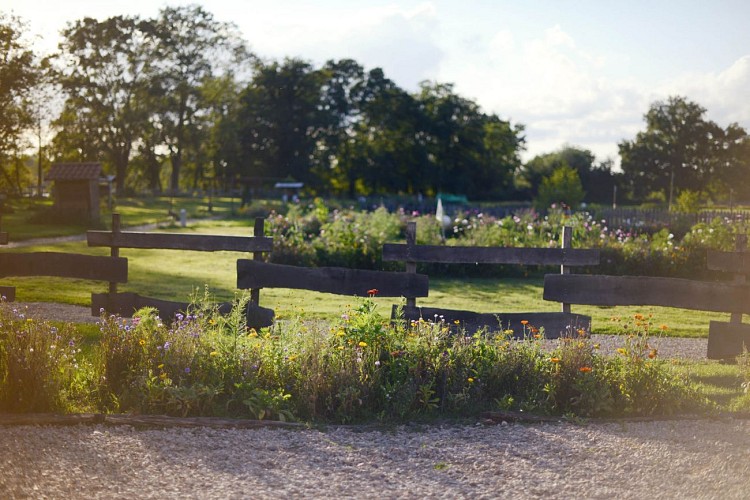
[(281, 120), (103, 67), (679, 149), (192, 48), (19, 74)]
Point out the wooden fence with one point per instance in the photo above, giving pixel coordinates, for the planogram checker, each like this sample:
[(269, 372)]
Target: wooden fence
[(652, 218), (125, 304), (554, 324), (725, 340)]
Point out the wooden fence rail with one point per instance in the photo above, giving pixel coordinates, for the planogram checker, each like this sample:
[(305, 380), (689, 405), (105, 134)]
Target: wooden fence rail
[(125, 304), (61, 265), (554, 324), (725, 340)]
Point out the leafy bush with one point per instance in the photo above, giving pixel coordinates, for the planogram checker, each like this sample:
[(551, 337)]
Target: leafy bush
[(362, 367), (316, 236)]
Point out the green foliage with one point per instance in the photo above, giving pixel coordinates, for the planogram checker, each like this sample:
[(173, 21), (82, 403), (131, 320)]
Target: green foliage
[(688, 202), (680, 150), (563, 186)]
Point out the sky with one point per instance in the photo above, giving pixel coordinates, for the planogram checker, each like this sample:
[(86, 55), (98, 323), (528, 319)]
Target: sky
[(580, 73)]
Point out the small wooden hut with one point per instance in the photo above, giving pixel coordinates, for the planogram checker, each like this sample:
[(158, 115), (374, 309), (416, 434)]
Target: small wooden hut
[(76, 190)]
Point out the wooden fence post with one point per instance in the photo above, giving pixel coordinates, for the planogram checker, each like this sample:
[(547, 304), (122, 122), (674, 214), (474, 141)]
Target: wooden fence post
[(258, 232), (411, 266), (740, 245), (114, 251), (566, 237)]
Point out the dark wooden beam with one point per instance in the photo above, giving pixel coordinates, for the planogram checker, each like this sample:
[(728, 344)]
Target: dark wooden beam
[(727, 340), (125, 304), (9, 292), (3, 238), (178, 241), (554, 324), (64, 265), (490, 255), (338, 280), (647, 291)]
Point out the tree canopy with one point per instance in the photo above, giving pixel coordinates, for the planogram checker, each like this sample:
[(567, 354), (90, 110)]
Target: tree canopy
[(682, 150)]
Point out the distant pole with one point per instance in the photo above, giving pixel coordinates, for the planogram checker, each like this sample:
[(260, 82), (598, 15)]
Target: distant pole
[(614, 197)]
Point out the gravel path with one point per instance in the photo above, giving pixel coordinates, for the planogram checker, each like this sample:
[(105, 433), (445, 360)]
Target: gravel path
[(685, 459)]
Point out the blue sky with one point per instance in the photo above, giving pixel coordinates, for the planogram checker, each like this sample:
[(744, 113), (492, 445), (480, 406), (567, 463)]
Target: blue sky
[(573, 72)]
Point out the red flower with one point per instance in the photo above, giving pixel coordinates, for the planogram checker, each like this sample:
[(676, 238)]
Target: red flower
[(372, 292)]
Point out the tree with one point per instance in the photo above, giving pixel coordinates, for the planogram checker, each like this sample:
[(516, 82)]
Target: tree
[(679, 149), (20, 74), (598, 180), (562, 186), (280, 120), (103, 67), (192, 48)]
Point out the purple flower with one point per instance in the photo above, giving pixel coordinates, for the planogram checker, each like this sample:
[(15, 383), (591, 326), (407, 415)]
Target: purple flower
[(167, 345), (187, 369)]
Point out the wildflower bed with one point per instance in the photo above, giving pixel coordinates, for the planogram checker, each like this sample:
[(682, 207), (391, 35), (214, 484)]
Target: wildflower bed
[(356, 369)]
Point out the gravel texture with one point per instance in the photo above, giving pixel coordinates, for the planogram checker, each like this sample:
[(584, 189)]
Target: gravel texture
[(667, 459)]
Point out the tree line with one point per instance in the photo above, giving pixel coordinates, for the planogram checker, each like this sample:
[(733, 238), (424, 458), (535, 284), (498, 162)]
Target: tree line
[(179, 102)]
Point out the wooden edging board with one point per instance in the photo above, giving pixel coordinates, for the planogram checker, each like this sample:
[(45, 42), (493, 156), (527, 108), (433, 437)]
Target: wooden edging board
[(554, 324), (337, 280)]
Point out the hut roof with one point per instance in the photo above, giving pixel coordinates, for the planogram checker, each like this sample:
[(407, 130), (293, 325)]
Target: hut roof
[(74, 171)]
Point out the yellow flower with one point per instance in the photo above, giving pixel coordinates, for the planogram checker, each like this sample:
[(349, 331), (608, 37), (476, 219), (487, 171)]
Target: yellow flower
[(162, 376), (622, 350), (362, 344), (160, 366), (340, 348), (457, 322), (214, 353), (252, 333), (142, 342), (470, 380), (211, 322)]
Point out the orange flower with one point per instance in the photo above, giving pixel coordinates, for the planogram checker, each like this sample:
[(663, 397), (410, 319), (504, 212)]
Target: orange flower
[(554, 360), (372, 292), (524, 322), (664, 328), (652, 354), (584, 369)]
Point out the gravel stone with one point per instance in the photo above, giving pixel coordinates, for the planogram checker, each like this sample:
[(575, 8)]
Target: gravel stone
[(665, 459)]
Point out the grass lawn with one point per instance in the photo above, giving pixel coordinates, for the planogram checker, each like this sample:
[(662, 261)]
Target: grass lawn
[(25, 219)]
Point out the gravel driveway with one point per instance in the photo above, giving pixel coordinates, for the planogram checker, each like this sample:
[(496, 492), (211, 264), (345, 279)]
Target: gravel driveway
[(667, 459)]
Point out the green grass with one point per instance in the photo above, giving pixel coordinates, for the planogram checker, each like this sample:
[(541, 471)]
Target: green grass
[(24, 219), (720, 382)]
